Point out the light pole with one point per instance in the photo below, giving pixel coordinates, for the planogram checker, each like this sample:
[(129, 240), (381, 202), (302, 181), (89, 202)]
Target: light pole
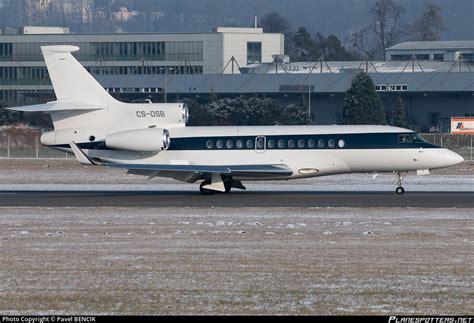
[(309, 90), (165, 89)]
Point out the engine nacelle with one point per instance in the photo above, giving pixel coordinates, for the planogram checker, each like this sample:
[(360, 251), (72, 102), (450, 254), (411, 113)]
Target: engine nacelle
[(144, 140)]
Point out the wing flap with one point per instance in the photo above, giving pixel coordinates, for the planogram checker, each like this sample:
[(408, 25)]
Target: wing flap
[(235, 170)]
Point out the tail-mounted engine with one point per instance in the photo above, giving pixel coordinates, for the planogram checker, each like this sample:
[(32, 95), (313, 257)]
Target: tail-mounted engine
[(144, 140)]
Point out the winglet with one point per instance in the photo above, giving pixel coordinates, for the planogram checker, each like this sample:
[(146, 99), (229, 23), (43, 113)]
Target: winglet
[(80, 155)]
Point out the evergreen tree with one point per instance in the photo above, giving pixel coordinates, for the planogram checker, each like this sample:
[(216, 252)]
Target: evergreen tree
[(273, 22), (400, 119), (249, 112), (362, 105), (305, 47)]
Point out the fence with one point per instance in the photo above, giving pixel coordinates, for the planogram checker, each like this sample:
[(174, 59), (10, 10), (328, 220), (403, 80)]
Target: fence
[(25, 143)]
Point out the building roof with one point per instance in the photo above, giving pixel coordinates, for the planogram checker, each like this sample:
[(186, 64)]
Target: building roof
[(337, 67), (434, 45)]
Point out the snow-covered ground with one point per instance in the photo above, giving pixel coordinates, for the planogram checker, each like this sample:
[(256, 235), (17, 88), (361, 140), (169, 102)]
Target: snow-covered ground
[(180, 260), (225, 261)]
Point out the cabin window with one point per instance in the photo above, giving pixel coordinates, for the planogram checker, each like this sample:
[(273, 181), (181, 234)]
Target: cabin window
[(321, 143), (209, 144), (341, 143), (219, 144), (281, 143), (311, 143), (300, 143), (229, 144), (291, 143), (239, 144), (249, 144), (331, 143), (271, 143)]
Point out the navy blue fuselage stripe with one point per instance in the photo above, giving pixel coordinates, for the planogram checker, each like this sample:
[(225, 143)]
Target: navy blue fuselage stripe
[(351, 141)]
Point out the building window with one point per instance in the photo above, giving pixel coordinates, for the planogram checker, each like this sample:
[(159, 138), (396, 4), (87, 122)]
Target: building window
[(422, 57), (400, 57), (398, 87), (254, 52)]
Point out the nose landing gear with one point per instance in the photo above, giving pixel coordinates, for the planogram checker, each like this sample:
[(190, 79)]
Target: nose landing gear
[(398, 182)]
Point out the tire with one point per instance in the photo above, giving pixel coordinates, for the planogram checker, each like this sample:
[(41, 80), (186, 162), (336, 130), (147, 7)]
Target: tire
[(399, 190), (205, 191)]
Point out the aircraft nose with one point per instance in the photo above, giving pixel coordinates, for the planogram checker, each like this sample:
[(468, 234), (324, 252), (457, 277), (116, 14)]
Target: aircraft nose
[(451, 158)]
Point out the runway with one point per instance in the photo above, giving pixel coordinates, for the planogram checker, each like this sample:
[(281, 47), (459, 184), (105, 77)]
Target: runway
[(235, 199)]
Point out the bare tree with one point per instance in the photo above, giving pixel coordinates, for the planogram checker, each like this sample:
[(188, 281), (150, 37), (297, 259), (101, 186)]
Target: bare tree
[(429, 24), (362, 44), (387, 23)]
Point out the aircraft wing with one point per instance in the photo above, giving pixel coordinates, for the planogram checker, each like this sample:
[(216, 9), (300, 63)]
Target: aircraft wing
[(231, 170)]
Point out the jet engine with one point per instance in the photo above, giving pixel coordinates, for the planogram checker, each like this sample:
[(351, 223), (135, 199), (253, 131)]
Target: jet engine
[(144, 140)]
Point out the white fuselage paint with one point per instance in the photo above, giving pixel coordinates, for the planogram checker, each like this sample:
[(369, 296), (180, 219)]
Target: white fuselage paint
[(303, 162)]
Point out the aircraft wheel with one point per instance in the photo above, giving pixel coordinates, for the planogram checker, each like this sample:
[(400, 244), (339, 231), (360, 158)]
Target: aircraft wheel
[(399, 190), (205, 191)]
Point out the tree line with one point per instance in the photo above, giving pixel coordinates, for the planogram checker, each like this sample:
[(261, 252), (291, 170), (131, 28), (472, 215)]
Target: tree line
[(386, 27), (362, 105), (386, 21)]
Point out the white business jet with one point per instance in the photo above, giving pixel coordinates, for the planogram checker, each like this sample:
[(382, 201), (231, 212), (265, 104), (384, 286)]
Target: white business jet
[(153, 140)]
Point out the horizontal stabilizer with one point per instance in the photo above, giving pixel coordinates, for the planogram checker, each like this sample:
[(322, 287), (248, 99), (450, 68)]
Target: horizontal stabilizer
[(56, 106), (235, 170)]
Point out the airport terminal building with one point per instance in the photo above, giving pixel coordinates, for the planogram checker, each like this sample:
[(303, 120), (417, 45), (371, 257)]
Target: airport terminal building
[(434, 79)]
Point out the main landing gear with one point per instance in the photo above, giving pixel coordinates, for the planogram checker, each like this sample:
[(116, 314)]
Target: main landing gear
[(398, 182), (226, 184)]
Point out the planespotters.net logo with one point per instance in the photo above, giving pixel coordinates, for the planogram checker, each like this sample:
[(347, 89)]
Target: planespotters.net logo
[(396, 319)]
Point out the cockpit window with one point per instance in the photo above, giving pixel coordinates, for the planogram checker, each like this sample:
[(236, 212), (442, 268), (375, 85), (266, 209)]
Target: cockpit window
[(410, 138), (418, 139), (405, 139)]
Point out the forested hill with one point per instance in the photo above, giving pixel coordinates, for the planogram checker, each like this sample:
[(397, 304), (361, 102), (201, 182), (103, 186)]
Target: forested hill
[(339, 17)]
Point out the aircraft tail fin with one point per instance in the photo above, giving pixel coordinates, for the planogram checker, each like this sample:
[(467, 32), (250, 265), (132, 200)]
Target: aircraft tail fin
[(71, 81)]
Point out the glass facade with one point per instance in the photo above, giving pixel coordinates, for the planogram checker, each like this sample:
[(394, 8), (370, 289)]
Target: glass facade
[(111, 51), (39, 75), (24, 75), (144, 69), (5, 51)]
